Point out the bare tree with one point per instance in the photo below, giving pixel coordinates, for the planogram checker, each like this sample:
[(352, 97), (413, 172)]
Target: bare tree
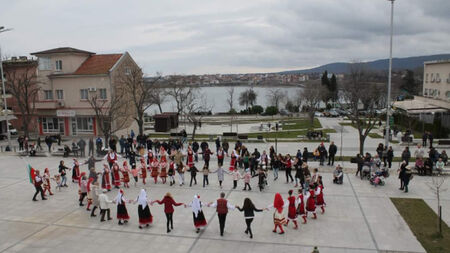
[(158, 97), (248, 97), (310, 97), (230, 99), (139, 91), (21, 82), (112, 115), (436, 186), (276, 96), (179, 91), (358, 92), (195, 108)]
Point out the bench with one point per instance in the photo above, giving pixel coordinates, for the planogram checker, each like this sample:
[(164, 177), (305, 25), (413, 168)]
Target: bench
[(444, 142), (243, 137)]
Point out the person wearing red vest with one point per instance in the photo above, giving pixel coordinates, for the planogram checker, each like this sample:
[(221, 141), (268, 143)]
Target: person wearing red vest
[(220, 156), (111, 157), (37, 181), (292, 209), (222, 206), (319, 195), (311, 203), (301, 205)]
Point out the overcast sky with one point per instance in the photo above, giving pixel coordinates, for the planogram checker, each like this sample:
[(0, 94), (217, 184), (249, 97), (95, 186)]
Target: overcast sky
[(228, 36)]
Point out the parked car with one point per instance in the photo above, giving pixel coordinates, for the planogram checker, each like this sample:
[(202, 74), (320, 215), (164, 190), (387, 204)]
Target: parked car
[(333, 113), (318, 114)]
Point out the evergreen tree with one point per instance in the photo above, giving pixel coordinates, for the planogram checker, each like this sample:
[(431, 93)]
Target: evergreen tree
[(333, 88), (410, 84), (325, 80)]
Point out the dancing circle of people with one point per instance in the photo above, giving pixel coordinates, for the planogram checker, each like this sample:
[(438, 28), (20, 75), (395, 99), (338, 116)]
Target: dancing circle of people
[(301, 203)]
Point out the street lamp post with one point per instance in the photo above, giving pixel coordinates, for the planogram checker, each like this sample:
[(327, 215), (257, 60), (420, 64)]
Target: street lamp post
[(8, 134), (388, 109)]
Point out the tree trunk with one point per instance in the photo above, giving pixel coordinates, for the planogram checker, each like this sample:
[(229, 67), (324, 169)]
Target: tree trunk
[(362, 139), (140, 123), (195, 129), (107, 141)]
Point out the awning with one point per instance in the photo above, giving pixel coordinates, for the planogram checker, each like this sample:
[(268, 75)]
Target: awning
[(10, 117)]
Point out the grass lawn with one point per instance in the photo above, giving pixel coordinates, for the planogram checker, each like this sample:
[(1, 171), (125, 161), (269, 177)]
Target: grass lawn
[(300, 124), (375, 136), (422, 221), (287, 134)]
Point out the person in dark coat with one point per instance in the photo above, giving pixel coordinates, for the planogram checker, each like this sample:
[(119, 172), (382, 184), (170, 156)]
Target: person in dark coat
[(249, 210), (406, 155), (390, 156), (401, 175), (305, 154), (91, 147), (82, 145), (332, 150), (322, 152)]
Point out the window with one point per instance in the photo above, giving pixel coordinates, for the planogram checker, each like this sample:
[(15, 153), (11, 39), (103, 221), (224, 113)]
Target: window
[(103, 94), (438, 78), (432, 78), (83, 124), (447, 94), (58, 65), (48, 94), (59, 94), (127, 71), (84, 94), (426, 77), (425, 93), (52, 125), (44, 63)]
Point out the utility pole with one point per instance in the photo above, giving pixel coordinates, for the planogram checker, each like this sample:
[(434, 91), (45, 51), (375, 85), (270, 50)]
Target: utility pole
[(388, 108)]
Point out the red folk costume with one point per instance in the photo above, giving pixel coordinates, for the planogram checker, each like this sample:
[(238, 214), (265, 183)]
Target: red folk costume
[(278, 216), (143, 171), (233, 160), (301, 207), (155, 170), (126, 174), (150, 157), (116, 174), (190, 158), (319, 198), (76, 171), (292, 209), (89, 193), (310, 203), (106, 184), (163, 155), (163, 173), (47, 186)]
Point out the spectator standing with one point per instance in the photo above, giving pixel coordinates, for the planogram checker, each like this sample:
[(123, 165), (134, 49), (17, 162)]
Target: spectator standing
[(82, 145), (389, 156), (332, 150), (406, 155), (91, 147)]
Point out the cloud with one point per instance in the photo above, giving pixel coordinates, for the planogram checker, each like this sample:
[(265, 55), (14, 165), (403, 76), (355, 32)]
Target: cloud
[(229, 36)]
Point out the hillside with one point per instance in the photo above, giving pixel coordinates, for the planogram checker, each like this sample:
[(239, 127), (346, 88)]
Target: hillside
[(377, 65)]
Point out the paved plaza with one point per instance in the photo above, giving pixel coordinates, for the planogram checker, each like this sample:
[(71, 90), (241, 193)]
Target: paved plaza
[(358, 218)]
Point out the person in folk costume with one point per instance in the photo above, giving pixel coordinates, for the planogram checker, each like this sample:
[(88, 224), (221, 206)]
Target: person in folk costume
[(301, 205), (143, 170), (247, 177), (116, 174), (122, 213), (46, 178), (249, 208), (150, 156), (292, 209), (135, 173), (220, 156), (319, 195), (89, 193), (278, 216), (310, 202), (181, 169), (37, 182), (82, 183), (171, 173), (126, 174), (234, 157), (162, 154), (75, 171), (163, 173), (222, 207), (155, 170), (94, 190), (106, 184), (190, 157), (197, 213), (111, 157), (145, 216), (264, 159), (169, 203)]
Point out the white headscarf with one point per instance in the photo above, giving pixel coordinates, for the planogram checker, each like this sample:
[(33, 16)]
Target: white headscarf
[(196, 206), (142, 198), (119, 196)]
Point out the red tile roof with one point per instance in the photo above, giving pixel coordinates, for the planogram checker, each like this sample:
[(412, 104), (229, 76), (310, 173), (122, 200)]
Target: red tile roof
[(62, 50), (98, 64)]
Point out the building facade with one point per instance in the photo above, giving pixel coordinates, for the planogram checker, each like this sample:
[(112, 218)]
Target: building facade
[(436, 81), (68, 77)]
